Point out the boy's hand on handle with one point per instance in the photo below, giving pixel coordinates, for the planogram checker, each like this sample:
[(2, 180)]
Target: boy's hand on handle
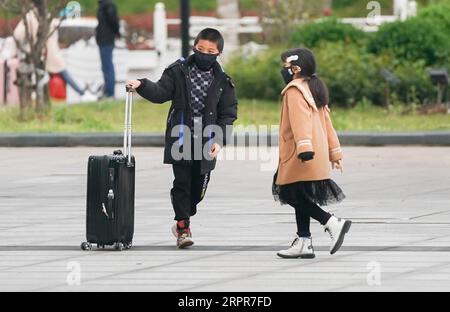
[(134, 84), (337, 164), (215, 149)]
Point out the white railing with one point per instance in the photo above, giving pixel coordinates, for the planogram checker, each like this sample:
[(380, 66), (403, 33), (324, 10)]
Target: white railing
[(246, 24)]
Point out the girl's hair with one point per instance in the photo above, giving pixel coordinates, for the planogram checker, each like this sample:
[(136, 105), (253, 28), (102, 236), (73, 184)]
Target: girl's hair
[(305, 59)]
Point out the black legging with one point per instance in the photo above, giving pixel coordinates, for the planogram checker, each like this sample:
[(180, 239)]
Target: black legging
[(306, 210)]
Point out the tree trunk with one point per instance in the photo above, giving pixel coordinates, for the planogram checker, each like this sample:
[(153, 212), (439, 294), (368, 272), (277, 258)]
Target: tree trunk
[(284, 16), (229, 9), (32, 78), (25, 103), (39, 56), (24, 83)]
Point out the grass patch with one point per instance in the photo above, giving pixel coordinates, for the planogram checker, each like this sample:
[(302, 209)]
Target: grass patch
[(377, 119), (147, 117), (95, 117)]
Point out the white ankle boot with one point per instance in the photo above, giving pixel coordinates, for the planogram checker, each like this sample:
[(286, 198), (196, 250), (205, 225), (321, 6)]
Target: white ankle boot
[(301, 247), (337, 228)]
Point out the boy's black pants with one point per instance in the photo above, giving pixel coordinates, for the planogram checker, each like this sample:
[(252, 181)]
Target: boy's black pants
[(189, 188)]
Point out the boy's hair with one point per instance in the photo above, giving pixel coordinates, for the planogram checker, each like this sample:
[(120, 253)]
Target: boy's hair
[(212, 35)]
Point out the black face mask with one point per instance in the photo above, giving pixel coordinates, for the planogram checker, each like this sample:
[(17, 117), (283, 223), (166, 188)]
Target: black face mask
[(204, 61), (287, 74)]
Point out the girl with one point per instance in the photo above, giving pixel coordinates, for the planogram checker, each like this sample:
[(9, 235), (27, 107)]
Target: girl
[(307, 145)]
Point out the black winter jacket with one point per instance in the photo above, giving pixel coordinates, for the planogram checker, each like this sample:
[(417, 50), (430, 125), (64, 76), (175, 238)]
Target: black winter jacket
[(220, 107), (108, 23)]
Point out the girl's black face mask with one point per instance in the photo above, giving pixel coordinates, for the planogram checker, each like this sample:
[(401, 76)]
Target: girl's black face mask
[(204, 61), (287, 74)]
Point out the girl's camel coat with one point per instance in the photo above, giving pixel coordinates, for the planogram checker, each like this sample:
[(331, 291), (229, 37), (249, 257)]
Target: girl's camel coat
[(305, 128)]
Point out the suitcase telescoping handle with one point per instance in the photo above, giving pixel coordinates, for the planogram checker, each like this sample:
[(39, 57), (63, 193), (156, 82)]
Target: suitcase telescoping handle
[(127, 124)]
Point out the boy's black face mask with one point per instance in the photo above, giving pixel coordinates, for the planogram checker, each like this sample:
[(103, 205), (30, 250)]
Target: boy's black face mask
[(287, 74), (204, 61)]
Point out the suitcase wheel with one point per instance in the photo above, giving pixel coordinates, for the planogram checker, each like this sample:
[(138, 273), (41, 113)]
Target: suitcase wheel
[(118, 246), (86, 246)]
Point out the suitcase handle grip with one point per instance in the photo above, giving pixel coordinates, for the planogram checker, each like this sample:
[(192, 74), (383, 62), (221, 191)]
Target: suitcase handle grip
[(127, 124)]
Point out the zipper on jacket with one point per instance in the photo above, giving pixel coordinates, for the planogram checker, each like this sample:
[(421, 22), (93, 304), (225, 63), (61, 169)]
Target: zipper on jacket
[(188, 88), (188, 93), (180, 134), (170, 116)]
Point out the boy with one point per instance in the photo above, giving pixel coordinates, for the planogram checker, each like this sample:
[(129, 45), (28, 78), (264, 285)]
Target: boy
[(204, 107)]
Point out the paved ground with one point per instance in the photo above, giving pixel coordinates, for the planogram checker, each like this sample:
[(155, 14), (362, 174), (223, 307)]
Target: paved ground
[(398, 198)]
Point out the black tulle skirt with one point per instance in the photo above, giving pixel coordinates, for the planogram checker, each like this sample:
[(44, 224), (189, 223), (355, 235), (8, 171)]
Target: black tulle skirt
[(322, 192)]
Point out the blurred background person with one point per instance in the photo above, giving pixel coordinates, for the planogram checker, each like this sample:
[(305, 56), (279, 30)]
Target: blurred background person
[(54, 60), (108, 29)]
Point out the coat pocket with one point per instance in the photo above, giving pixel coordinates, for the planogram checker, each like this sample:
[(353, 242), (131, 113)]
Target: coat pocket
[(287, 149)]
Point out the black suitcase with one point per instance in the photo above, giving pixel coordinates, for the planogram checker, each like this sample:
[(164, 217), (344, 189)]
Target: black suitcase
[(110, 194)]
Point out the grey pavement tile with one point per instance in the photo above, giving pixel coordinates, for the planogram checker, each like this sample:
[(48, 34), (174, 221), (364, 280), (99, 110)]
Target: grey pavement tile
[(399, 203)]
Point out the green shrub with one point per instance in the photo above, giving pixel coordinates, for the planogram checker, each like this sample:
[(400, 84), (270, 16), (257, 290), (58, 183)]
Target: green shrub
[(348, 70), (437, 12), (350, 73), (415, 85), (312, 34), (342, 3), (248, 4), (353, 75), (257, 77), (419, 38), (146, 6), (350, 62)]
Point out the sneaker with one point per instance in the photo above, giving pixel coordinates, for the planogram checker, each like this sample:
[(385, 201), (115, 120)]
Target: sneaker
[(301, 247), (184, 239), (174, 229), (88, 97), (337, 228), (183, 234)]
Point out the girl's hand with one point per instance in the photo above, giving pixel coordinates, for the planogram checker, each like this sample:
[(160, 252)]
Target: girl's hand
[(337, 165), (133, 84), (215, 149)]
